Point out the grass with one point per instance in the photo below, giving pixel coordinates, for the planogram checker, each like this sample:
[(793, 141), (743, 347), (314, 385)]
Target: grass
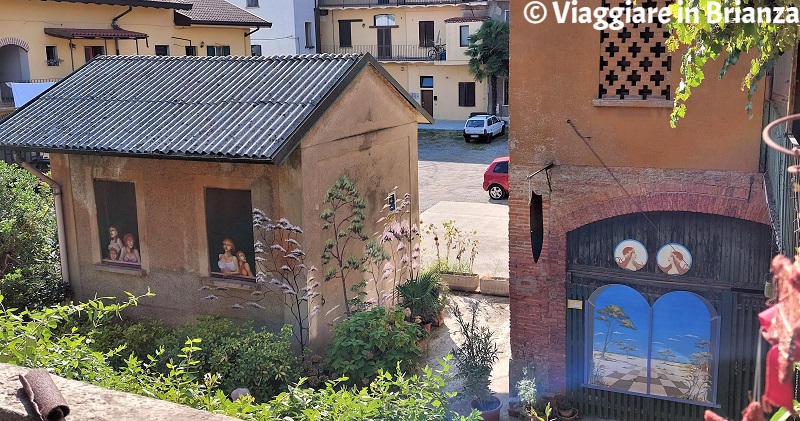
[(427, 137)]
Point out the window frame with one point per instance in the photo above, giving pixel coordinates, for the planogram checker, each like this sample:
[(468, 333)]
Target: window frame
[(218, 50), (424, 85), (463, 39), (51, 54), (123, 225), (466, 94), (345, 27), (309, 33), (239, 228), (252, 3), (426, 41), (156, 47), (190, 51), (255, 50), (390, 20)]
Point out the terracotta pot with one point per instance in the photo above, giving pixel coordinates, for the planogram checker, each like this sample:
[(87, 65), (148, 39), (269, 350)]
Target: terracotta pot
[(491, 414), (427, 327), (491, 285), (568, 414), (422, 343), (461, 282)]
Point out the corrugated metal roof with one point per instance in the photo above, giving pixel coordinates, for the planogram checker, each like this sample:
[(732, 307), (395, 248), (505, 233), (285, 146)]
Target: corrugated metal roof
[(142, 3), (238, 108), (219, 12), (70, 33)]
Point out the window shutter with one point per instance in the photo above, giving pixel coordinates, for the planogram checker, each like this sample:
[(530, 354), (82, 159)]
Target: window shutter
[(345, 36)]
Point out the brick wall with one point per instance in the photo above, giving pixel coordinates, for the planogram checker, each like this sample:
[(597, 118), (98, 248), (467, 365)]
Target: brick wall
[(580, 196)]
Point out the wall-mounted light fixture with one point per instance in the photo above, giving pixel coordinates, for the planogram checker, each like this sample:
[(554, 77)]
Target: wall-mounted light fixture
[(202, 44)]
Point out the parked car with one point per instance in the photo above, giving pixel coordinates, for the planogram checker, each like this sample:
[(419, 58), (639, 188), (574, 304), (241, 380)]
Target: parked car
[(495, 179), (483, 126)]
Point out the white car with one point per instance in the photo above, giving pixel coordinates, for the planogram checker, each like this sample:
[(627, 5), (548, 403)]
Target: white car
[(484, 127)]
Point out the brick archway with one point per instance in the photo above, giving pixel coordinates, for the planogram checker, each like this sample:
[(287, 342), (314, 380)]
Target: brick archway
[(15, 41)]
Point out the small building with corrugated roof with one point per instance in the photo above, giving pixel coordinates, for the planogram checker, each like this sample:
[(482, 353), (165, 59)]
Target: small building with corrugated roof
[(161, 162)]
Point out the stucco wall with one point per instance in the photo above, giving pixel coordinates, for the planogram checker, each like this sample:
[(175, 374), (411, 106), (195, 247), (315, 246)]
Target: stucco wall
[(170, 196), (27, 20), (377, 148)]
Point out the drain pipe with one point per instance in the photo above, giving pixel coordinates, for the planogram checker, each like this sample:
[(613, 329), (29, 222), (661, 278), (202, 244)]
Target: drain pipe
[(115, 25), (62, 236)]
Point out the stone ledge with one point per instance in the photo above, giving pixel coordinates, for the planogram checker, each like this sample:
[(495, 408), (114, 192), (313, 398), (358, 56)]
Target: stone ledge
[(87, 402)]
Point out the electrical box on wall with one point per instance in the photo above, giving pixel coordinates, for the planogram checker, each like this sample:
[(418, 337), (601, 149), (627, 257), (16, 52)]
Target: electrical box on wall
[(392, 202)]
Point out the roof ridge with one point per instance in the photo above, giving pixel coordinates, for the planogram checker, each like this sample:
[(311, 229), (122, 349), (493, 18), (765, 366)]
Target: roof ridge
[(283, 57)]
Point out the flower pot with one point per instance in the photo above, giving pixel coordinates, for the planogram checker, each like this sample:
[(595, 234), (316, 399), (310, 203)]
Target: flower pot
[(461, 282), (568, 414), (422, 343), (427, 327), (491, 285), (440, 319), (491, 408)]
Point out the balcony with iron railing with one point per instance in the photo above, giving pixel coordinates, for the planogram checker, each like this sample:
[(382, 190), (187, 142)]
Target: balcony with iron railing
[(390, 3), (391, 52)]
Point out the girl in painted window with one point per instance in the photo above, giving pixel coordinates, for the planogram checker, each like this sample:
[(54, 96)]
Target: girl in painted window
[(115, 243), (129, 252), (244, 267), (228, 262)]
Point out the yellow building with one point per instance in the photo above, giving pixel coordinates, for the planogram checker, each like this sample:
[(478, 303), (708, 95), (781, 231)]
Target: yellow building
[(421, 44), (43, 41)]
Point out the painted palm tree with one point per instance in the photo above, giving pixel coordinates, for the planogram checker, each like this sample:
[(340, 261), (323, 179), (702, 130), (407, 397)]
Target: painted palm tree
[(488, 55)]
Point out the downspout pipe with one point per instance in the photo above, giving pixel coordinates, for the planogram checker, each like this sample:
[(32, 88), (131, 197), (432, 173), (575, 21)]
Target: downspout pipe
[(115, 25), (57, 195)]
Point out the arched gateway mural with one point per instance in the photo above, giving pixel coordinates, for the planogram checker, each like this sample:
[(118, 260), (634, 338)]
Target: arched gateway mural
[(655, 343)]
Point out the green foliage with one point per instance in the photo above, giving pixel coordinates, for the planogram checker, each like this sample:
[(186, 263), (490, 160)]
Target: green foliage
[(475, 357), (344, 216), (527, 390), (372, 340), (260, 361), (422, 295), (488, 54), (30, 275), (455, 240), (728, 41)]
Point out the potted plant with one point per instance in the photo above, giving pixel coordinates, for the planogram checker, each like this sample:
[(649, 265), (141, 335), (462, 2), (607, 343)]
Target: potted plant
[(493, 284), (565, 409), (456, 271), (421, 296), (475, 358)]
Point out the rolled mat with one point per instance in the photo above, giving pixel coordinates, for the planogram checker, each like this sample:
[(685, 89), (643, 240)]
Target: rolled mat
[(44, 395)]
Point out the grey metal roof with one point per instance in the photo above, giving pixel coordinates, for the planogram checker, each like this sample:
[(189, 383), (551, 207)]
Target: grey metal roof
[(143, 3), (231, 108), (219, 12)]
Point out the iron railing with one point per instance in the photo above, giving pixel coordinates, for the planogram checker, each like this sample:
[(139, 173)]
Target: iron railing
[(781, 190), (379, 3), (391, 52)]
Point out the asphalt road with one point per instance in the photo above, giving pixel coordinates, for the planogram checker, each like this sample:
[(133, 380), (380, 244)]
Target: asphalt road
[(451, 188), (452, 170)]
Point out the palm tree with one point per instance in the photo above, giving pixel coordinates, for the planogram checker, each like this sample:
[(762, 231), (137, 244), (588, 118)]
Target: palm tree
[(488, 54)]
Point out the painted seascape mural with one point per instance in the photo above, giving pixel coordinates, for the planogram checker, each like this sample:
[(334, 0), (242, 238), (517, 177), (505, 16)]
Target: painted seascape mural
[(668, 350)]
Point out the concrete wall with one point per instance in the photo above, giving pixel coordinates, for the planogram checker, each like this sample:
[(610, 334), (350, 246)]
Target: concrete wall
[(709, 164), (27, 20)]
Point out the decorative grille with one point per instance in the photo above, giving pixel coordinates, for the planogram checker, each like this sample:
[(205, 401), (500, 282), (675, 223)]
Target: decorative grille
[(634, 61)]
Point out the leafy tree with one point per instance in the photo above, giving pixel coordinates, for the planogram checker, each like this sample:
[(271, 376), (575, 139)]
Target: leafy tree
[(666, 355), (30, 274), (729, 41), (613, 316), (345, 217), (488, 54)]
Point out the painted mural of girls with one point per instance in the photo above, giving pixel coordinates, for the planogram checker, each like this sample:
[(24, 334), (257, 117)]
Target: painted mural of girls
[(129, 252), (674, 259), (228, 262), (244, 267), (115, 243), (630, 255)]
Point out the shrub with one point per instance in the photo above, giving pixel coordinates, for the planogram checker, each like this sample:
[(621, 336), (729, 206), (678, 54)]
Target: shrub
[(372, 340), (30, 275), (260, 361)]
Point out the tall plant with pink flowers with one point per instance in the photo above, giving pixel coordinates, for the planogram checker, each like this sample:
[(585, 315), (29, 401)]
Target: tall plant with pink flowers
[(400, 236)]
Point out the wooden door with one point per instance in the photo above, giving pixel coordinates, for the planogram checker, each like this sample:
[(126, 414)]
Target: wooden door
[(426, 95), (384, 43)]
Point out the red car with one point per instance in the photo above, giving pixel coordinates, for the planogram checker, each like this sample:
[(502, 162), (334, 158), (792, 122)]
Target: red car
[(495, 179)]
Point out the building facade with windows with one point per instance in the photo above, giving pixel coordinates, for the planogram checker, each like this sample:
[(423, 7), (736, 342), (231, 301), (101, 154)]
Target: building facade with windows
[(45, 41), (638, 252), (421, 44), (293, 26)]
